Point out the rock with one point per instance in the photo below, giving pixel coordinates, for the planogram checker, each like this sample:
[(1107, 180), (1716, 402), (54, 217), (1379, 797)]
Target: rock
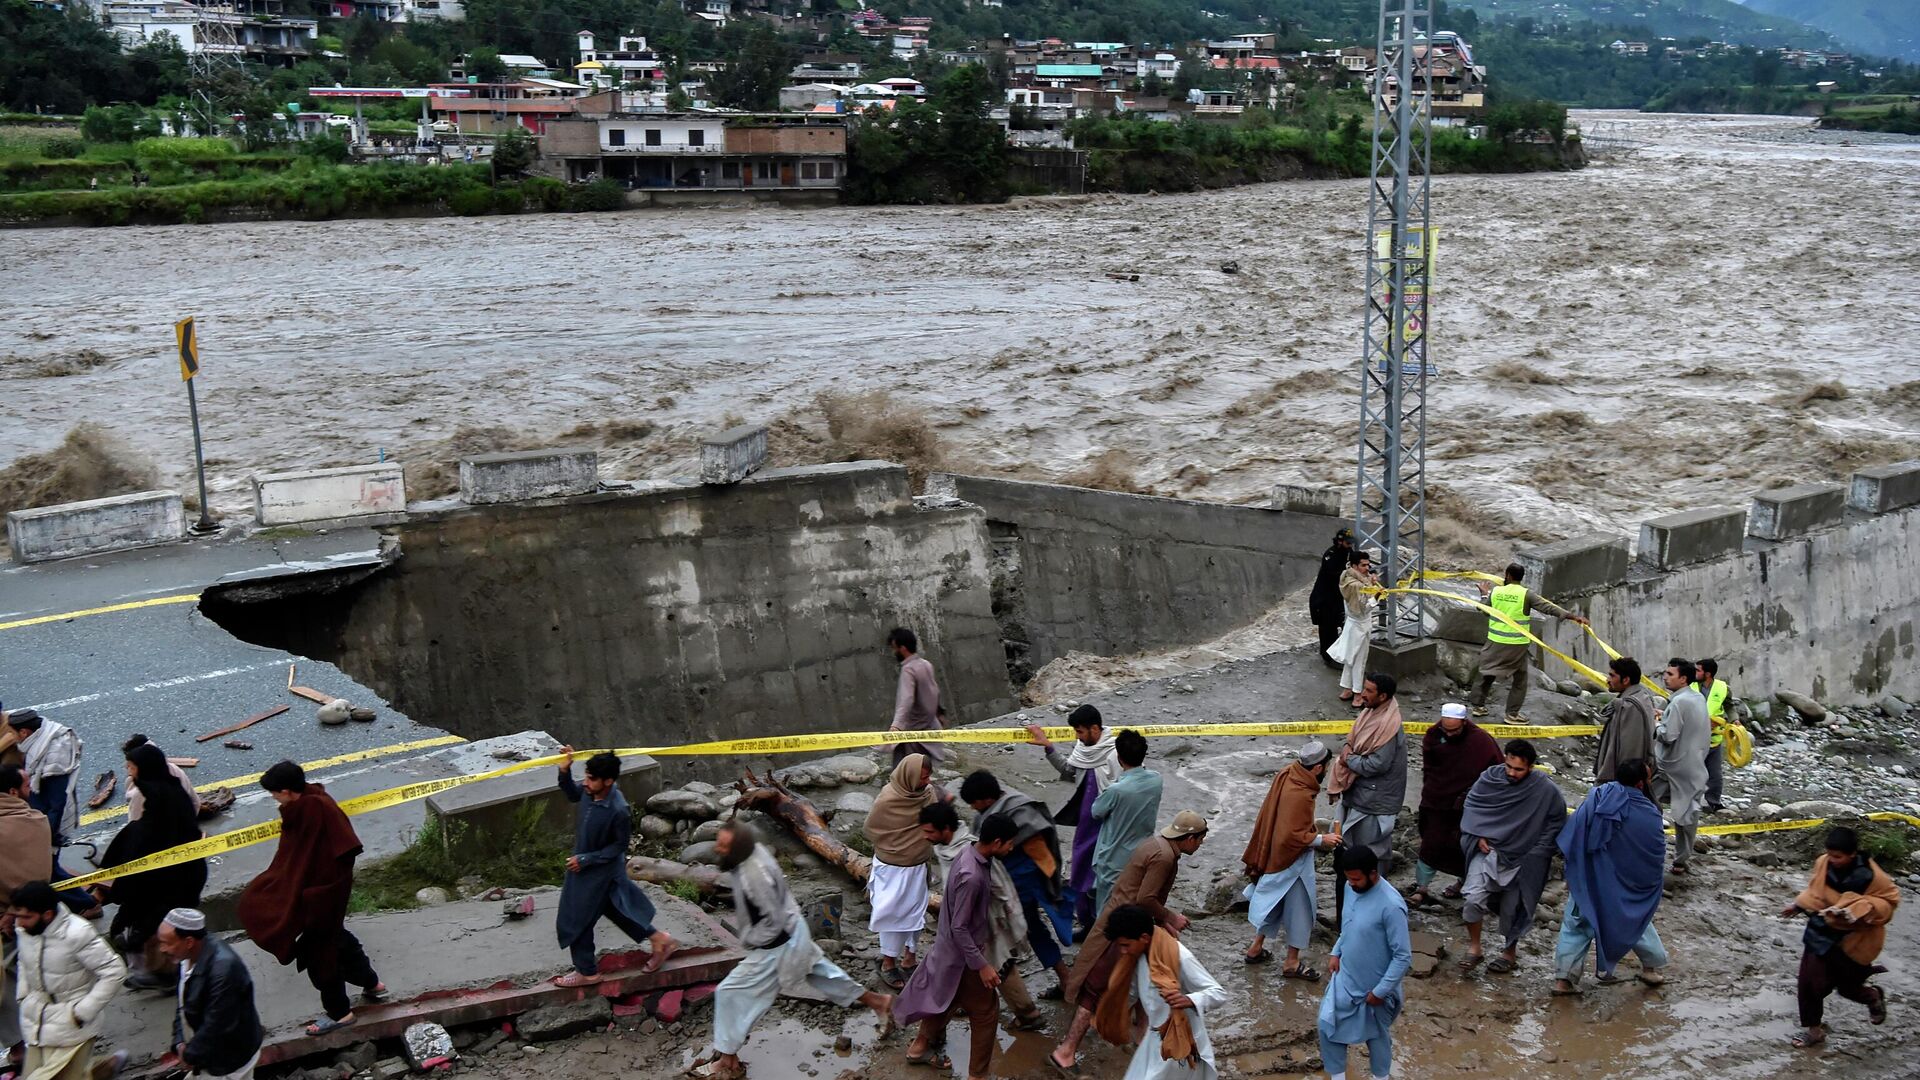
[(705, 853), (1230, 267), (1764, 858), (705, 831), (489, 1044), (1423, 965), (683, 806), (364, 716), (391, 1069), (551, 1022), (359, 1057), (424, 1042), (1760, 709), (431, 896), (810, 776), (1457, 662), (853, 803), (1811, 711), (516, 909), (807, 860), (1817, 808), (655, 827), (470, 885), (843, 1044), (1769, 811), (699, 787), (727, 800), (1838, 761), (852, 768), (1894, 707), (1428, 944), (649, 1026), (832, 947), (335, 712), (530, 1049), (1568, 687)]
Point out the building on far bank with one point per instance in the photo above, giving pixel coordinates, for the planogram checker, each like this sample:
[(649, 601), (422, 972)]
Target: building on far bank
[(753, 154), (257, 31)]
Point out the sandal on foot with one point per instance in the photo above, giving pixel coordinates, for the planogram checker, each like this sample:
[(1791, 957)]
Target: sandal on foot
[(1260, 957), (1804, 1041), (378, 992), (1034, 1021), (1062, 1070), (326, 1025), (892, 977), (1501, 966), (1877, 1011), (1056, 992), (1570, 990), (1452, 892), (1304, 972), (659, 957), (1346, 695), (574, 978), (932, 1059), (1467, 963)]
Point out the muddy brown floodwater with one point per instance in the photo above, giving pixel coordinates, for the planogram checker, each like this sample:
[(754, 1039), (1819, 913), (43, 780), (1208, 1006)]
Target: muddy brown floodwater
[(1725, 309)]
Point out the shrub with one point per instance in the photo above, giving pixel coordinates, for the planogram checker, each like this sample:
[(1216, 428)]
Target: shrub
[(544, 193), (599, 195), (471, 200), (182, 149)]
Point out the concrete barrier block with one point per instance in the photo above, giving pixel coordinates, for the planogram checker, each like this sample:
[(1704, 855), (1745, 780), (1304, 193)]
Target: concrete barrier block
[(88, 528), (1886, 488), (1692, 536), (733, 455), (531, 474), (1578, 565), (1784, 513), (1306, 499), (329, 494), (491, 810)]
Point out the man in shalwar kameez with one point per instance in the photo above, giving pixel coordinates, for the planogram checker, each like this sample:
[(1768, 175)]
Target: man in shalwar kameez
[(597, 883), (1158, 997), (1279, 857), (1510, 832), (1368, 965), (1091, 766), (956, 976)]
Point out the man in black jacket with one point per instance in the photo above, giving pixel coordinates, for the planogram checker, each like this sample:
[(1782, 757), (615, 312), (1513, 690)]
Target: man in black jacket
[(215, 1002), (1324, 606)]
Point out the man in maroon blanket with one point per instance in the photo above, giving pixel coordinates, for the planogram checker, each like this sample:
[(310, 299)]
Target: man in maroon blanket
[(297, 908), (956, 977), (1452, 756)]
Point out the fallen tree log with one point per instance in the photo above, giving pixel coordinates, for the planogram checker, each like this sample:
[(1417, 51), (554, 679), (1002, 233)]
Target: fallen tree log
[(803, 820), (668, 872)]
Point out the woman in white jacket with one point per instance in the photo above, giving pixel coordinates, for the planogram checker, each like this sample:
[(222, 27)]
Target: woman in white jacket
[(68, 976)]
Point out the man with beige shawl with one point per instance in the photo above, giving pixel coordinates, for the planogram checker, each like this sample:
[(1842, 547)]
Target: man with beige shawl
[(897, 887), (1357, 587), (1367, 782)]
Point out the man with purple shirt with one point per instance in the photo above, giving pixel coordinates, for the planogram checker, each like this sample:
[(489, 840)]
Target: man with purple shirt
[(956, 976), (1090, 766)]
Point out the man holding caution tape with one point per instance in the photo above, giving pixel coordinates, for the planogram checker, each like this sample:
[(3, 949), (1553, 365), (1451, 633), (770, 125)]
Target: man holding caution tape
[(1508, 650)]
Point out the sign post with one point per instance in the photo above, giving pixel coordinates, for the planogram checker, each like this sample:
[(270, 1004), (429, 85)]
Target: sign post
[(188, 343)]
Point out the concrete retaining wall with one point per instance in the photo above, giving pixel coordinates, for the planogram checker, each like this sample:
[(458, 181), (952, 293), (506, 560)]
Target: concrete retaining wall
[(353, 491), (88, 528), (1830, 612), (623, 619), (1106, 573)]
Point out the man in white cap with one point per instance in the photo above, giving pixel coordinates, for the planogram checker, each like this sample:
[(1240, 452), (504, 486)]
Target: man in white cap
[(216, 1029), (1453, 754), (1279, 859)]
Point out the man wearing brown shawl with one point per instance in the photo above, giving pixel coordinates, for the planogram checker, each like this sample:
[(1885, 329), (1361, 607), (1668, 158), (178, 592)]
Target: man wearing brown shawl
[(1368, 780), (1452, 756), (1146, 883), (1848, 904), (297, 908), (1279, 859), (1161, 1004), (897, 887)]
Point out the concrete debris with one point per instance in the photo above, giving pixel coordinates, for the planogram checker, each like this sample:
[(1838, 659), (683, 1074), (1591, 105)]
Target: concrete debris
[(489, 1044), (390, 1069), (683, 805), (359, 1057), (515, 910), (551, 1022), (427, 1045), (335, 712)]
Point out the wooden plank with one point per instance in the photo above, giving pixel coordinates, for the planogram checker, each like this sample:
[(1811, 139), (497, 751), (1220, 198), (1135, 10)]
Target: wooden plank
[(184, 762), (310, 694), (247, 723)]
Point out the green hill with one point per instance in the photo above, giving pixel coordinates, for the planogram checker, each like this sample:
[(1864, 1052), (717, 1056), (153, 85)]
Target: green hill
[(1718, 20), (1878, 27)]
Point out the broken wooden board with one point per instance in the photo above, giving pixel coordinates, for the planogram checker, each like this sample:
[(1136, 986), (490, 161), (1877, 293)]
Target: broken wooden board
[(310, 694), (184, 762), (244, 724)]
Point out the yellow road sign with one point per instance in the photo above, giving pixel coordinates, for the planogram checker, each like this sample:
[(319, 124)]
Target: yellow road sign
[(189, 344)]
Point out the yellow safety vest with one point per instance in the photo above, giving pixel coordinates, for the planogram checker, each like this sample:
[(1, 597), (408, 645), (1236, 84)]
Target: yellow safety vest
[(1717, 710), (1511, 601)]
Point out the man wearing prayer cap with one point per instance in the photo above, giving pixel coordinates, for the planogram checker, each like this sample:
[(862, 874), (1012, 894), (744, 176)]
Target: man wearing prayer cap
[(216, 1029), (1453, 754), (1279, 859)]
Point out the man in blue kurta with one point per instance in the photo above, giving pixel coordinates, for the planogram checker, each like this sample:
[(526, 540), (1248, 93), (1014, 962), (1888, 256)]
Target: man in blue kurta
[(1368, 964), (1126, 811), (1615, 855), (597, 883)]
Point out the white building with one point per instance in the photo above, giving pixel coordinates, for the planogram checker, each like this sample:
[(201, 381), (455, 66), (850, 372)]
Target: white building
[(249, 29)]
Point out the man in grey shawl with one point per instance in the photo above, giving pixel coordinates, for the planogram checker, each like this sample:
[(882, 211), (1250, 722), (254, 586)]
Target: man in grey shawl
[(1627, 723), (1680, 749), (781, 956), (1509, 831), (1036, 868)]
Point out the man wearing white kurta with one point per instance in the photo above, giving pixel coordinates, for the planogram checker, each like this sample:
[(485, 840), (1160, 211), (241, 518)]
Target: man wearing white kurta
[(1175, 1014)]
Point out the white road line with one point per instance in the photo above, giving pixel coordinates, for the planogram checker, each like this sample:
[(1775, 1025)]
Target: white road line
[(162, 684)]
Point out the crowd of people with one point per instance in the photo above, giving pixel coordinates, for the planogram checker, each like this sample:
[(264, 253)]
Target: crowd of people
[(1005, 884)]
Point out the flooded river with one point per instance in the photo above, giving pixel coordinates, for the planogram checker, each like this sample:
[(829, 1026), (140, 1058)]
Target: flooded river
[(1615, 343)]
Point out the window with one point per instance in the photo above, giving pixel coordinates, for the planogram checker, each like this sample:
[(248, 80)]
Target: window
[(616, 136), (729, 170), (826, 170), (696, 137), (807, 170), (653, 136), (764, 170)]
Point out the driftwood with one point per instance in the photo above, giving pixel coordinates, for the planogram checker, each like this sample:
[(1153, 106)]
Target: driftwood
[(777, 801), (668, 872)]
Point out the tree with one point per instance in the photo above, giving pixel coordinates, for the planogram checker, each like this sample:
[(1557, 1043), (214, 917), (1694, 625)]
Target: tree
[(758, 68), (58, 61), (514, 152), (484, 64)]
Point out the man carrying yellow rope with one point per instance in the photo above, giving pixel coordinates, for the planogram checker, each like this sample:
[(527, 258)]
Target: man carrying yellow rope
[(1507, 650)]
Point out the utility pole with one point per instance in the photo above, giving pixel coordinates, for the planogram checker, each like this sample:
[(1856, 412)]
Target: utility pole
[(1390, 513), (186, 339)]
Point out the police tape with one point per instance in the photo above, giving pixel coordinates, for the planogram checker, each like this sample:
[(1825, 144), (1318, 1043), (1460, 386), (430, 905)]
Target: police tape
[(223, 843), (1797, 823)]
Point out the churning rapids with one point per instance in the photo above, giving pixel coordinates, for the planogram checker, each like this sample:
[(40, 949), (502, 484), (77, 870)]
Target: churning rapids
[(1727, 309)]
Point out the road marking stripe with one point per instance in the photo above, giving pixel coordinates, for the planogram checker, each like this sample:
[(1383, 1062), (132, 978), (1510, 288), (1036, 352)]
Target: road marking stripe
[(306, 766), (183, 598), (161, 684)]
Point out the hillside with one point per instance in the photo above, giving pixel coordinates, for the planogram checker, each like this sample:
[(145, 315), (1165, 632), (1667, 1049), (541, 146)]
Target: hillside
[(1718, 20), (1878, 27)]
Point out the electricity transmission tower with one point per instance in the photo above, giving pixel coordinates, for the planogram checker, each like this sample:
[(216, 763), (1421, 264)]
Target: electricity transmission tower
[(216, 75), (1390, 514)]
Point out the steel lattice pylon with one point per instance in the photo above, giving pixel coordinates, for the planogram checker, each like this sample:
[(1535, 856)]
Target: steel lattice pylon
[(1390, 514)]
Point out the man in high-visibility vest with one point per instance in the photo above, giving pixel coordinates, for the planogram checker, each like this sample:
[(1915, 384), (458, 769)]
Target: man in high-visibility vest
[(1715, 690), (1508, 649)]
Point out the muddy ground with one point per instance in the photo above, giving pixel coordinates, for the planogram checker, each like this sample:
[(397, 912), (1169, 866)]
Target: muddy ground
[(1725, 1012), (1708, 317)]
